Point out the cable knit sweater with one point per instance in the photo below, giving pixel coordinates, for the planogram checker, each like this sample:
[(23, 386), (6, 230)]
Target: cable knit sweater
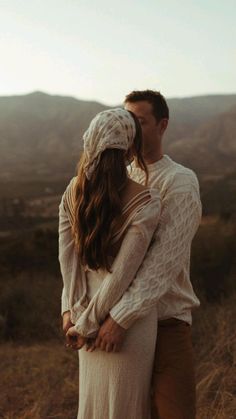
[(163, 277)]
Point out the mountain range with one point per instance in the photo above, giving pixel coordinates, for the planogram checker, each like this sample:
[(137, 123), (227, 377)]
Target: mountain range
[(41, 136)]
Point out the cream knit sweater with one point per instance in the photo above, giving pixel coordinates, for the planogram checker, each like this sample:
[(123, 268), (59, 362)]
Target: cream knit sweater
[(163, 278)]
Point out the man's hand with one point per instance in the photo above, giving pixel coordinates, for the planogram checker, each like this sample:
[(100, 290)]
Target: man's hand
[(110, 336), (66, 321), (74, 340)]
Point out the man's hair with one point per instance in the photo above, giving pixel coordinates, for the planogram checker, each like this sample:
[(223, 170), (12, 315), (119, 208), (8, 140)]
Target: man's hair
[(158, 102)]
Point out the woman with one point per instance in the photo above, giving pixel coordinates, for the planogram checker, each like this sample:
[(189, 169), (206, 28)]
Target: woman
[(106, 223)]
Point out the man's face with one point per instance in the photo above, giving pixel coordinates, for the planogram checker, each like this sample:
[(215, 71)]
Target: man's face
[(151, 129)]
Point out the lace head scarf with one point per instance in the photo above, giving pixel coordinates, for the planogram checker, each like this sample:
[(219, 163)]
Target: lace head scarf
[(114, 128)]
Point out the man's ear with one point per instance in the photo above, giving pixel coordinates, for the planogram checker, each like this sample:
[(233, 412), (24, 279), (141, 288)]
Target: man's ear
[(164, 124)]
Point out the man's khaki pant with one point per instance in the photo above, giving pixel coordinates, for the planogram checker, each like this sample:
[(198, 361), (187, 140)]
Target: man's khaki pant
[(173, 384)]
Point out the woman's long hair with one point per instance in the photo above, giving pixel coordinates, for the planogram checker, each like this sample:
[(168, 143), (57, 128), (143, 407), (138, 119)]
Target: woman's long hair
[(98, 202)]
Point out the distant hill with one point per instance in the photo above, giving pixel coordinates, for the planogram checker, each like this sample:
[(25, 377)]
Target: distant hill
[(41, 134), (211, 148)]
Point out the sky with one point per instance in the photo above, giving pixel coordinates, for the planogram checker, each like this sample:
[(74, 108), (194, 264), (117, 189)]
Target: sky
[(103, 49)]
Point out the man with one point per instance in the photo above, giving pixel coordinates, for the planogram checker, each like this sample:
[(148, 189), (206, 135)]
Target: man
[(167, 262)]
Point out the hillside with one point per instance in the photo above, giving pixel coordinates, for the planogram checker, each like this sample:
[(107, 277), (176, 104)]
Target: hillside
[(211, 148), (41, 135)]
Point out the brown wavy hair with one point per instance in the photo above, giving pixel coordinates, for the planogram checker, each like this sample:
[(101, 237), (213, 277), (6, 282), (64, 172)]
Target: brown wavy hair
[(98, 202)]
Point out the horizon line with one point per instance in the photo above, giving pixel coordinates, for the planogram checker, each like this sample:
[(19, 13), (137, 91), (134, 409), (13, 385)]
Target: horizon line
[(35, 92)]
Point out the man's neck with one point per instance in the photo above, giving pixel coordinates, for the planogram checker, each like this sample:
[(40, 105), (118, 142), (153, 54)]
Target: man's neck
[(154, 154), (149, 159)]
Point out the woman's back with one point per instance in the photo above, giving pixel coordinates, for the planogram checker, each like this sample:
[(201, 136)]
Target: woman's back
[(133, 198)]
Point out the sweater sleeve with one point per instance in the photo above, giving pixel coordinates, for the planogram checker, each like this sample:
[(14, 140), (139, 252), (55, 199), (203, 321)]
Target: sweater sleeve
[(65, 252), (73, 296), (130, 256), (180, 218)]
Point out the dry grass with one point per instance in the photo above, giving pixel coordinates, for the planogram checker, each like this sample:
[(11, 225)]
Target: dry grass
[(40, 381), (215, 347)]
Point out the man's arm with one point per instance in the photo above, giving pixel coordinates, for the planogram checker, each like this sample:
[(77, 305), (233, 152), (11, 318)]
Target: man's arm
[(165, 259)]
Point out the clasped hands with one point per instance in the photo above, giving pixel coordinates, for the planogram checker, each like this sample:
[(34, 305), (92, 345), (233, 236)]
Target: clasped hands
[(110, 336)]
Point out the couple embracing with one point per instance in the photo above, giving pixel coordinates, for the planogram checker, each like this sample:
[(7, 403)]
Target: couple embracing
[(126, 223)]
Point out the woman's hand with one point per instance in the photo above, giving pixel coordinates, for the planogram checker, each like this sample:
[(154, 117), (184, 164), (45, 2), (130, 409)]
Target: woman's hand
[(74, 340)]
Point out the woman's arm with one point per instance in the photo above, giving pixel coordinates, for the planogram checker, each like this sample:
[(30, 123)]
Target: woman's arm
[(65, 253), (74, 290), (129, 258)]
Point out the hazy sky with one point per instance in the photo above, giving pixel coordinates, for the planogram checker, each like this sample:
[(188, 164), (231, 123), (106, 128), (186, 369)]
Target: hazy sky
[(102, 49)]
